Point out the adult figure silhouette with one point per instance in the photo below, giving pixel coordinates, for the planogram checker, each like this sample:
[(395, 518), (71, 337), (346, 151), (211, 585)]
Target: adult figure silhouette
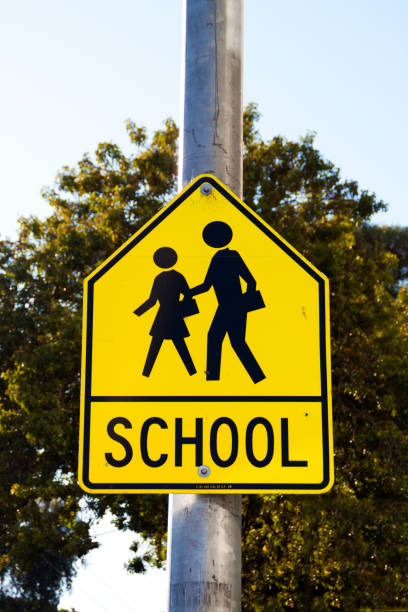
[(168, 323), (224, 272)]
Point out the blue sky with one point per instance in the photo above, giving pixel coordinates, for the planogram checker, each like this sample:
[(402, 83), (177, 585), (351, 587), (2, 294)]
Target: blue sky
[(73, 71)]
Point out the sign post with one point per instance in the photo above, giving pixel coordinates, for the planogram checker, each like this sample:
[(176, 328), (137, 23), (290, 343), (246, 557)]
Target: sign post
[(204, 532)]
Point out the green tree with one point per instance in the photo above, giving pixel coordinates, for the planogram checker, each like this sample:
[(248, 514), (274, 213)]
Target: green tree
[(346, 549)]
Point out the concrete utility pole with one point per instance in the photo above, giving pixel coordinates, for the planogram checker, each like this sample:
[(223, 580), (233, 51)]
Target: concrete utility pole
[(204, 546)]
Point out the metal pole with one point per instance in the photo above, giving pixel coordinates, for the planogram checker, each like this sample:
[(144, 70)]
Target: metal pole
[(211, 118), (204, 544)]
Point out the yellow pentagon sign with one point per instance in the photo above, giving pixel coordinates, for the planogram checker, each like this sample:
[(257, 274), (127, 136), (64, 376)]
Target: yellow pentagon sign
[(206, 357)]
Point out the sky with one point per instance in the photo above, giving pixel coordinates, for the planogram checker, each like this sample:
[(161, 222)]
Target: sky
[(72, 72)]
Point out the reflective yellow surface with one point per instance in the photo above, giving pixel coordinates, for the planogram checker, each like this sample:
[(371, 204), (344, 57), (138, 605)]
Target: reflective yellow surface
[(284, 337), (304, 424)]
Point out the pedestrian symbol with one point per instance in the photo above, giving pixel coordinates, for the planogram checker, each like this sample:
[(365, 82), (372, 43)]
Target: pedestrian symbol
[(224, 273), (169, 323), (206, 344)]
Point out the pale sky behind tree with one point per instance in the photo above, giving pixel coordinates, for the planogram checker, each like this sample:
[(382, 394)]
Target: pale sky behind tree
[(73, 71)]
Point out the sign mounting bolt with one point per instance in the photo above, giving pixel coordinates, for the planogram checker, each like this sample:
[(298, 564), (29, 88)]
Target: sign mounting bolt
[(206, 188), (203, 471)]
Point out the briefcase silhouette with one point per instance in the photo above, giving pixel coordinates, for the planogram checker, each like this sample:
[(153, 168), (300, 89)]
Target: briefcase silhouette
[(252, 300)]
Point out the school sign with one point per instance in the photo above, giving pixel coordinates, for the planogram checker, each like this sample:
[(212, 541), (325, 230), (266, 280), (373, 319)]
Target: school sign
[(206, 357)]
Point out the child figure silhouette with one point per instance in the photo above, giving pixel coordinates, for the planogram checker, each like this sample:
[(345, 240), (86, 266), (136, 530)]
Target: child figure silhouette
[(169, 322)]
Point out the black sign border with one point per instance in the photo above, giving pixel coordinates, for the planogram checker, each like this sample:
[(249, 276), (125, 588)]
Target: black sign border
[(224, 487)]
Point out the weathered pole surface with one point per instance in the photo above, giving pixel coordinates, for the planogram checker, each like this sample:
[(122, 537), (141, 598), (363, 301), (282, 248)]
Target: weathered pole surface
[(211, 118), (204, 545)]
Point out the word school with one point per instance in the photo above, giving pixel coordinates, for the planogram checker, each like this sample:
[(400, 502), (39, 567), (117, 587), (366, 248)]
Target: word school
[(153, 458)]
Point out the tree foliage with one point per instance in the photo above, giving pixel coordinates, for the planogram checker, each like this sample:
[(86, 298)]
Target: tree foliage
[(346, 549)]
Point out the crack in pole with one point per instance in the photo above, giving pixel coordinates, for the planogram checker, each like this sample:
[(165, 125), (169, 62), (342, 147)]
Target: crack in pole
[(195, 139), (216, 115)]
